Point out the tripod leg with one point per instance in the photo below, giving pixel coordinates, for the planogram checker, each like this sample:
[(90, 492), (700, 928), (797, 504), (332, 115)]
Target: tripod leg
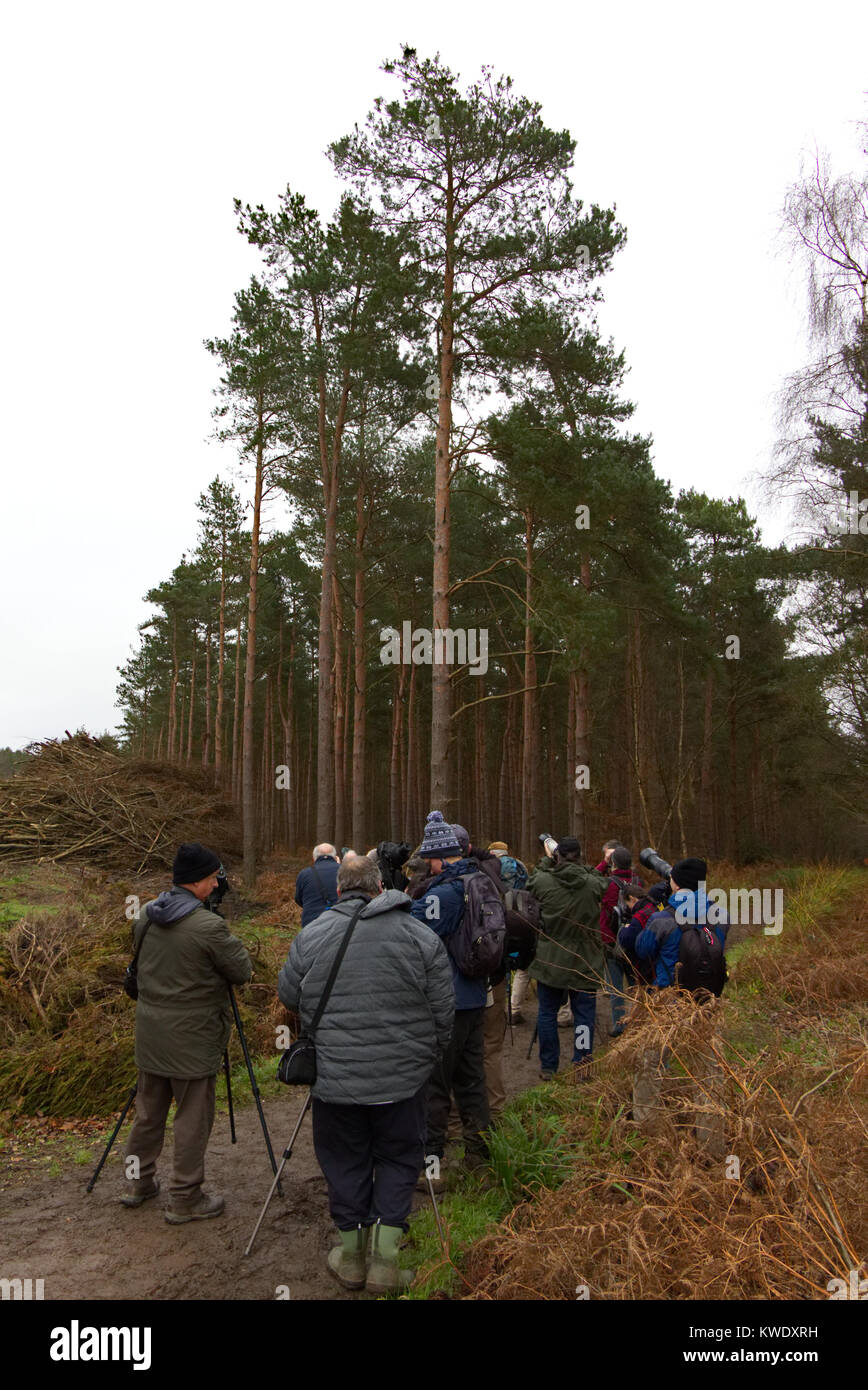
[(254, 1087), (436, 1214), (123, 1115), (286, 1153), (229, 1095)]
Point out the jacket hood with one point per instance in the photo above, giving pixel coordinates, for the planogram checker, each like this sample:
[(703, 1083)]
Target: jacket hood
[(463, 866), (690, 906), (172, 906), (384, 902), (568, 872)]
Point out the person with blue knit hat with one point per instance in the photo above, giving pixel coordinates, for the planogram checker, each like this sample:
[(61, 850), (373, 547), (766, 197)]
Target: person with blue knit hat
[(460, 1072)]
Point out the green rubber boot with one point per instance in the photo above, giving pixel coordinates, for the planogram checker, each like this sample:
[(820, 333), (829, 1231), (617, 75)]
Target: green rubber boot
[(384, 1276), (347, 1260)]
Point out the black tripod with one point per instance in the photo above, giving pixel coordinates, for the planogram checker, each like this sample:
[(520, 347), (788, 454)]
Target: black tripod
[(256, 1095)]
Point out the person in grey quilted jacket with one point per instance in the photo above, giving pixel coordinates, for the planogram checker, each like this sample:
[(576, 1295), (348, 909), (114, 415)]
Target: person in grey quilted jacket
[(388, 1017)]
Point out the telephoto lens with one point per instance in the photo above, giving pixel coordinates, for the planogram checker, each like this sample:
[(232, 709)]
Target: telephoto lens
[(651, 859)]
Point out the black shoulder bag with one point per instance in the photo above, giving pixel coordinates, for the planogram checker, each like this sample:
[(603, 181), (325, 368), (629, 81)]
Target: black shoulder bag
[(131, 977), (297, 1066)]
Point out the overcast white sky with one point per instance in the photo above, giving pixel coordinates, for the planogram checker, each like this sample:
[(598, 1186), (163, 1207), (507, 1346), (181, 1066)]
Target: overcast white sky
[(128, 130)]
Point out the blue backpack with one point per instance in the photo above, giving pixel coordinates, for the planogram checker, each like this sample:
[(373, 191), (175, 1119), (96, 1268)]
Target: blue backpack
[(513, 872)]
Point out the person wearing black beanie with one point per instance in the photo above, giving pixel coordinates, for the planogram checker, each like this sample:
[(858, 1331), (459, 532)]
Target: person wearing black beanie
[(193, 862), (689, 873), (185, 957)]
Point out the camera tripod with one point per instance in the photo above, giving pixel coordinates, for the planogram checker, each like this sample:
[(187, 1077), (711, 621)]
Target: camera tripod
[(256, 1095)]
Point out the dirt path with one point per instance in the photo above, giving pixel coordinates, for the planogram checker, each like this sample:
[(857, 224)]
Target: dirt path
[(87, 1246)]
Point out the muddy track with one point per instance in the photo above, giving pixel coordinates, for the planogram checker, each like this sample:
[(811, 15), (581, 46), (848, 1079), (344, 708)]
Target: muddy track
[(87, 1246)]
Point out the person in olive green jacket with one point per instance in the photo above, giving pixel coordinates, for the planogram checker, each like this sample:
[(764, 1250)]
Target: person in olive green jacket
[(569, 960), (187, 958)]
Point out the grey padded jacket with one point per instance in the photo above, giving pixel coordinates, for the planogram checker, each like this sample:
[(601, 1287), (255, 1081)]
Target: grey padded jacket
[(392, 1006)]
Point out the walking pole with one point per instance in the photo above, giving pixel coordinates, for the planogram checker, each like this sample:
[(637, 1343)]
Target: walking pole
[(533, 1039), (509, 1006), (123, 1116), (255, 1088), (286, 1153), (229, 1095), (440, 1231)]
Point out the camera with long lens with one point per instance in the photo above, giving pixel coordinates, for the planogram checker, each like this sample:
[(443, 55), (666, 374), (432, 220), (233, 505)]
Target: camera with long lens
[(213, 901), (391, 859), (549, 844), (652, 860)]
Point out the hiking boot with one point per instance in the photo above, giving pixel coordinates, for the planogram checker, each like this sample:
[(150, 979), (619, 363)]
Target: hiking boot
[(347, 1260), (565, 1016), (142, 1191), (384, 1276), (616, 1031), (438, 1184), (546, 1076), (178, 1214)]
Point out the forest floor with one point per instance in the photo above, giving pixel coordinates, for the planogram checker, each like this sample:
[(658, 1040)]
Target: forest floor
[(87, 1246)]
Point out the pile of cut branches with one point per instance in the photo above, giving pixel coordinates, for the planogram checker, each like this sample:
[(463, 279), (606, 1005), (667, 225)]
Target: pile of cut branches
[(75, 800)]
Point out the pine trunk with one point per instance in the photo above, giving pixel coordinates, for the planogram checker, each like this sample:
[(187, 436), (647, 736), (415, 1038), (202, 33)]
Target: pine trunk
[(248, 779)]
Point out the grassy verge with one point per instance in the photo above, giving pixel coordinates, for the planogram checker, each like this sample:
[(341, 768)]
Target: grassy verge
[(747, 1179)]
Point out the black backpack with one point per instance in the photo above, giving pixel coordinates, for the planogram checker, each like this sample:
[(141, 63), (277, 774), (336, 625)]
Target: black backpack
[(701, 961), (477, 946), (521, 935)]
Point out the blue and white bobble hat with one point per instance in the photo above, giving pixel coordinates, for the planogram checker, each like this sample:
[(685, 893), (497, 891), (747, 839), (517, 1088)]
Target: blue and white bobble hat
[(439, 840)]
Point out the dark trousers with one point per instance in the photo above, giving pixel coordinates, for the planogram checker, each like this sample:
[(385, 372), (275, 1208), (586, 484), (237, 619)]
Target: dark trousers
[(460, 1072), (371, 1156)]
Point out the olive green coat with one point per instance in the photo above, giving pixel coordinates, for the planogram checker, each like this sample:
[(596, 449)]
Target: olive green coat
[(569, 954), (183, 1014)]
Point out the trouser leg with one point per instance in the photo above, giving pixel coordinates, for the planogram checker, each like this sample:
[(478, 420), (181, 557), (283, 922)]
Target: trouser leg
[(584, 1006), (398, 1147), (616, 985), (342, 1142), (550, 1000), (520, 982), (495, 1028), (439, 1095), (468, 1080), (195, 1101), (145, 1141)]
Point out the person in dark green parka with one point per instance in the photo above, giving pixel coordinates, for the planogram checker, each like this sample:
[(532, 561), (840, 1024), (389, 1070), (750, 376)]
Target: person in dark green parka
[(187, 958), (569, 960)]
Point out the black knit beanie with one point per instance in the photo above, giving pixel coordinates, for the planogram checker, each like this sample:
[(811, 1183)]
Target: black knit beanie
[(569, 845), (689, 873), (193, 862)]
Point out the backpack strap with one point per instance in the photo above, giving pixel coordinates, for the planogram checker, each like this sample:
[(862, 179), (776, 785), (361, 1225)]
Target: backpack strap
[(135, 960)]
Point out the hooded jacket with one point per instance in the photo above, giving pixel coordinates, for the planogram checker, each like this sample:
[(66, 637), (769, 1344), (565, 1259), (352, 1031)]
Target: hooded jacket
[(391, 1007), (439, 904), (660, 941), (188, 957), (569, 954)]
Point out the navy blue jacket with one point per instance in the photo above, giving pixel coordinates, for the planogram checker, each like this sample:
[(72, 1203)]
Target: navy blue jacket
[(660, 942), (308, 893), (441, 907)]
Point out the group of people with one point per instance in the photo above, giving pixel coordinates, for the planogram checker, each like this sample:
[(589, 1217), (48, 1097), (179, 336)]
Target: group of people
[(411, 1026)]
